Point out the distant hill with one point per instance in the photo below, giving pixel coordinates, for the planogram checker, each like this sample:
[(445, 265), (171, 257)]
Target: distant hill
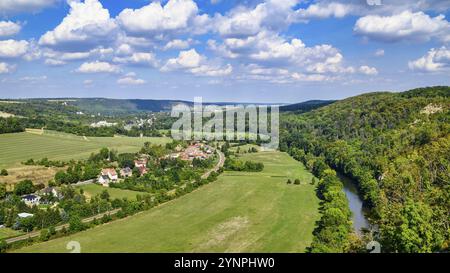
[(305, 106), (107, 106)]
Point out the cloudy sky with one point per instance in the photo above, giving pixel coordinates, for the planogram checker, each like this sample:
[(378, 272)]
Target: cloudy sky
[(223, 50)]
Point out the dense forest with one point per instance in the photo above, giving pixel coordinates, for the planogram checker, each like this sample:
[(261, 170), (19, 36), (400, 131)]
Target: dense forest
[(396, 146), (306, 106)]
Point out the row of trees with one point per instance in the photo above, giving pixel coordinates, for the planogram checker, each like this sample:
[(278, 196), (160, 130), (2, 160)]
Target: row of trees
[(334, 229), (243, 166)]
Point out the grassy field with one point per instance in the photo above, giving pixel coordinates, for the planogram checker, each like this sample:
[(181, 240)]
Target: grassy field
[(241, 212), (8, 233), (59, 146), (94, 189), (244, 148)]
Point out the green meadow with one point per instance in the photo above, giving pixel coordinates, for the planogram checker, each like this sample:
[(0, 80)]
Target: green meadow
[(92, 190), (240, 212), (18, 147)]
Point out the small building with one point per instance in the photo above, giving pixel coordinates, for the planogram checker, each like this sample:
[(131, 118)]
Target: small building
[(142, 170), (108, 176), (140, 163), (126, 172), (25, 215), (31, 199), (52, 191)]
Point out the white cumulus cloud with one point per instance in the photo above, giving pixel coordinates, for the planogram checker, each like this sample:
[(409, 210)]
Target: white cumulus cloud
[(13, 48), (435, 60), (157, 21), (406, 25), (6, 68), (367, 70), (98, 67), (8, 28), (138, 58), (19, 6), (197, 64), (87, 25)]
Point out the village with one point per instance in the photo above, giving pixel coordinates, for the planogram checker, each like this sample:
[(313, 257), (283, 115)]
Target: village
[(107, 176), (51, 196)]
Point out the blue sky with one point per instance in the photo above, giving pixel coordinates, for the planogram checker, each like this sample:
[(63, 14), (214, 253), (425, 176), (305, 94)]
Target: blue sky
[(222, 50)]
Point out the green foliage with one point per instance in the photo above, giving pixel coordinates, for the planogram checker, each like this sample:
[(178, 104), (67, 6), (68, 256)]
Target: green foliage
[(24, 187), (396, 146), (3, 246), (45, 235), (3, 172), (2, 190), (11, 125), (75, 224), (243, 166)]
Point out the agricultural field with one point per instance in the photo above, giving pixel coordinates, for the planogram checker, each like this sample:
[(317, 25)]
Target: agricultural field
[(38, 174), (38, 144), (241, 212), (94, 189)]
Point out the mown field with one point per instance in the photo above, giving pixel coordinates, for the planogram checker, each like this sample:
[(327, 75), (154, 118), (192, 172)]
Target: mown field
[(241, 212), (92, 190), (19, 147)]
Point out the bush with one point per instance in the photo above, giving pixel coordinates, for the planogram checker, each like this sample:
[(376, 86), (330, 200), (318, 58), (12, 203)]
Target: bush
[(289, 181), (24, 187), (75, 224), (3, 246), (297, 182), (45, 235), (3, 172)]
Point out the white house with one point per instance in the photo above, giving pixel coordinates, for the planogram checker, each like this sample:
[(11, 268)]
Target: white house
[(31, 199), (108, 176)]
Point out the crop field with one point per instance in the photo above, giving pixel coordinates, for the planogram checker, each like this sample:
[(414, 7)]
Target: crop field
[(18, 147), (92, 190), (241, 212)]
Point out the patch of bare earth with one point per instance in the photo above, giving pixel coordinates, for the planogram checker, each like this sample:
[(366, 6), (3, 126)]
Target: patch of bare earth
[(5, 115), (37, 174), (431, 109)]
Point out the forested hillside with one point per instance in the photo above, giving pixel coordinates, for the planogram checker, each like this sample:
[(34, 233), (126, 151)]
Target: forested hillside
[(306, 106), (397, 147)]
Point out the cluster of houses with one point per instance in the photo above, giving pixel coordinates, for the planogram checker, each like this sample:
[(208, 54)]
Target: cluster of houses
[(103, 123), (196, 150), (109, 175)]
